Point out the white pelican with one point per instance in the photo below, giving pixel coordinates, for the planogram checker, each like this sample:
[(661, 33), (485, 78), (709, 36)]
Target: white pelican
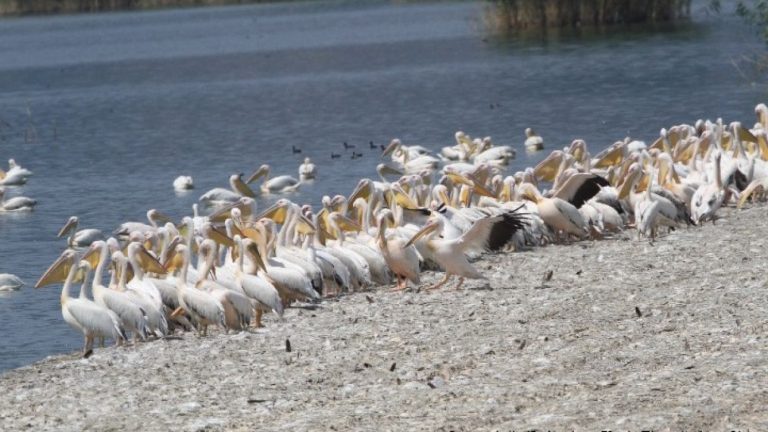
[(16, 204), (307, 170), (182, 183), (238, 310), (202, 306), (9, 282), (144, 290), (83, 314), (255, 287), (153, 216), (533, 142), (82, 238), (221, 196), (283, 183), (291, 282), (709, 197), (132, 316), (402, 261), (494, 155), (559, 214), (15, 176), (450, 253)]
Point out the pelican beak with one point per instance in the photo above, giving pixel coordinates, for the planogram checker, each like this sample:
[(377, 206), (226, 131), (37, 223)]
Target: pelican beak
[(482, 190), (626, 187), (547, 169), (67, 227), (324, 226), (305, 226), (149, 263), (277, 212), (443, 194), (745, 135), (346, 224), (183, 230), (658, 144), (171, 251), (175, 261), (57, 272), (259, 173), (390, 148), (362, 190), (402, 199), (243, 188), (93, 256), (162, 218), (219, 237), (254, 251), (428, 228), (611, 157), (663, 172)]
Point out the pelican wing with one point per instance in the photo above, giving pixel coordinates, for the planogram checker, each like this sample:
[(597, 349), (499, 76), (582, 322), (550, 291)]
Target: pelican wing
[(262, 291), (203, 305), (580, 188), (94, 318), (492, 232)]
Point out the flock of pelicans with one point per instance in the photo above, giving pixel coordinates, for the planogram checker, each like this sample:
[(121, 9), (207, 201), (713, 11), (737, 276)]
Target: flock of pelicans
[(229, 266)]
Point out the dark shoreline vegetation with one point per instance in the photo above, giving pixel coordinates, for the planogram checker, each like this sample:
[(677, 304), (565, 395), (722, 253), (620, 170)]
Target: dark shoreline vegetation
[(35, 7), (507, 15)]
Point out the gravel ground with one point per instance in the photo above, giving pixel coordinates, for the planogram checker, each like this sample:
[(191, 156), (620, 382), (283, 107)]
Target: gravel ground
[(624, 335)]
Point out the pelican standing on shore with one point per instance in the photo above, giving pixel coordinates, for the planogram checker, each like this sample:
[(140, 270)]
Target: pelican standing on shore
[(449, 253)]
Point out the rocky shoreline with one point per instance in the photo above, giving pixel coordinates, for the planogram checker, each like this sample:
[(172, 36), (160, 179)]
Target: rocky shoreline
[(621, 335)]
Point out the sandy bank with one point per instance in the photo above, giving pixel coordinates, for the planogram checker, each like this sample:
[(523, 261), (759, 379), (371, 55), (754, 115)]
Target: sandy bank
[(625, 336)]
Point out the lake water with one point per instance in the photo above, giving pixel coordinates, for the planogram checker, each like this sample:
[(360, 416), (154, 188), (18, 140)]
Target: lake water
[(108, 109)]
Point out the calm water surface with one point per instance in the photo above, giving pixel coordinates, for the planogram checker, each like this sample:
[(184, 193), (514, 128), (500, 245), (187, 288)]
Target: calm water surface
[(108, 109)]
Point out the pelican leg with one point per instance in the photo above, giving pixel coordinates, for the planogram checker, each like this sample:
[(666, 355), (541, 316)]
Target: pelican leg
[(401, 283), (88, 348), (258, 323), (441, 283), (461, 281), (101, 341)]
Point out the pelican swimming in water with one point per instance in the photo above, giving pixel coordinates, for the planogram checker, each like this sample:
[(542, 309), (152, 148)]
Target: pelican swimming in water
[(279, 184), (182, 183), (307, 170), (81, 238), (15, 176), (153, 216), (10, 282), (449, 253), (533, 142), (16, 204), (221, 197), (83, 314)]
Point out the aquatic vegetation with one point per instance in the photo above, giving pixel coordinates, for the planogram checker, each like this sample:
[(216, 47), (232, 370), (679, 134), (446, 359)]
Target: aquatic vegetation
[(521, 14)]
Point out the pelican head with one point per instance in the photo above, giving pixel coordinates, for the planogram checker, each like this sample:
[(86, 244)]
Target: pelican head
[(278, 212), (157, 218), (59, 270), (547, 169), (434, 225), (68, 227), (363, 190), (393, 145), (262, 171)]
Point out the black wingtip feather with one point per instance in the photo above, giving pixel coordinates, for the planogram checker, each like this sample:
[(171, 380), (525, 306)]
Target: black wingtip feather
[(503, 231)]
